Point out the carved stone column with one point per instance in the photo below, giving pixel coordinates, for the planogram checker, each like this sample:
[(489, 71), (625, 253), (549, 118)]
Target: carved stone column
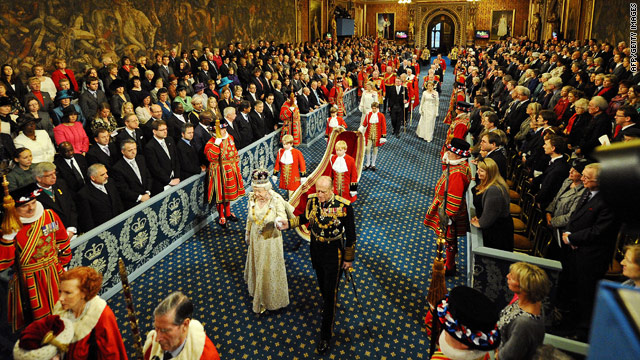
[(471, 24)]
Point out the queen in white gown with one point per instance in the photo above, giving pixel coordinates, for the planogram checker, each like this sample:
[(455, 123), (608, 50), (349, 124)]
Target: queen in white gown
[(428, 112), (369, 96), (265, 272)]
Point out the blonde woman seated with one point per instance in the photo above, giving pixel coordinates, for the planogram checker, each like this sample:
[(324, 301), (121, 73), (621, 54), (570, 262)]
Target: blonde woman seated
[(521, 323), (265, 272)]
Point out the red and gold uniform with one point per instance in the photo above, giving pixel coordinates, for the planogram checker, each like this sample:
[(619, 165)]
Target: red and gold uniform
[(291, 166), (459, 179), (374, 131), (458, 130), (290, 116), (95, 330), (344, 175), (451, 113), (414, 91), (197, 345), (336, 97), (43, 247), (332, 123), (378, 83), (435, 79), (363, 78), (225, 179), (389, 80)]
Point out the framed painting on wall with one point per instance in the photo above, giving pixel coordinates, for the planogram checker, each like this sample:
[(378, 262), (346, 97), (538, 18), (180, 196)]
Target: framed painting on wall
[(315, 20), (386, 25), (501, 24), (610, 21), (572, 19)]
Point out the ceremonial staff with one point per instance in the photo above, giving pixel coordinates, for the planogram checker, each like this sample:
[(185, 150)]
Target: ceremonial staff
[(438, 287), (11, 224), (131, 312)]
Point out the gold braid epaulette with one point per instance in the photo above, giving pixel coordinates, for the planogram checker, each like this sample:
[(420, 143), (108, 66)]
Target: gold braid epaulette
[(343, 200), (295, 222)]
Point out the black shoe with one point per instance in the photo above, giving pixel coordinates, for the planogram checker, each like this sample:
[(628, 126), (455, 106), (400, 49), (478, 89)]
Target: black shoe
[(366, 168), (323, 347), (373, 168), (222, 222), (232, 218)]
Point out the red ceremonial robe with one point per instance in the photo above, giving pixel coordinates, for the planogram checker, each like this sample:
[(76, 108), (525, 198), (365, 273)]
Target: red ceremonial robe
[(341, 122), (344, 182), (44, 251), (290, 116), (376, 131), (290, 174), (96, 329), (225, 178), (336, 97)]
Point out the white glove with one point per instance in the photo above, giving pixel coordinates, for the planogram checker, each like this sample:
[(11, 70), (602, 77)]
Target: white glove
[(218, 141), (10, 236), (383, 140), (361, 129), (353, 193), (274, 178), (303, 180), (406, 105)]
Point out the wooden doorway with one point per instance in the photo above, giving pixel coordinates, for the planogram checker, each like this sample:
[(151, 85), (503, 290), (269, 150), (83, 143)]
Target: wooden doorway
[(440, 34)]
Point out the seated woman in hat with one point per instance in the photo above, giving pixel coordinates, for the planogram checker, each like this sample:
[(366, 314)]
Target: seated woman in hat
[(119, 97), (72, 131), (183, 99), (38, 141), (95, 332), (491, 200), (63, 98), (521, 323)]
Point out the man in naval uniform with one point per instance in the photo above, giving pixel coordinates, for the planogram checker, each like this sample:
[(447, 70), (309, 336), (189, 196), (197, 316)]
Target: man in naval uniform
[(333, 238)]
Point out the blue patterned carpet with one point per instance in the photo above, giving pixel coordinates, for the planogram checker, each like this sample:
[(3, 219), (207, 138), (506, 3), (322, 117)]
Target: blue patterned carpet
[(393, 267)]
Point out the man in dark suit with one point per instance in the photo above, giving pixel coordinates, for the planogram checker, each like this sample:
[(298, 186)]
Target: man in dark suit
[(131, 175), (201, 135), (187, 155), (626, 118), (259, 82), (176, 121), (72, 168), (316, 96), (545, 187), (91, 99), (271, 114), (162, 160), (258, 122), (398, 101), (131, 131), (304, 103), (278, 97), (590, 241), (204, 75), (98, 201), (491, 143), (44, 99), (233, 129), (103, 151), (244, 125), (165, 70), (518, 114), (56, 196), (194, 60), (251, 95)]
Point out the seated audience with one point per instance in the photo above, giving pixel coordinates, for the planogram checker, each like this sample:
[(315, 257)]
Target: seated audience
[(70, 130)]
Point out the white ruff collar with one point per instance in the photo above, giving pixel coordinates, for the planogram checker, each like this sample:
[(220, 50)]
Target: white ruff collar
[(36, 215), (458, 354), (287, 157), (333, 122), (340, 165), (193, 347), (445, 160), (374, 118), (87, 321)]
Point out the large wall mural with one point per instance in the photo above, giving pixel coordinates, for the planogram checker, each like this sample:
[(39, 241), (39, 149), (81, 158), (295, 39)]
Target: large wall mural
[(83, 31)]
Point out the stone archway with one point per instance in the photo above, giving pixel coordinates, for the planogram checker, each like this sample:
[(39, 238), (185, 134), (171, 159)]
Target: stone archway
[(456, 12)]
